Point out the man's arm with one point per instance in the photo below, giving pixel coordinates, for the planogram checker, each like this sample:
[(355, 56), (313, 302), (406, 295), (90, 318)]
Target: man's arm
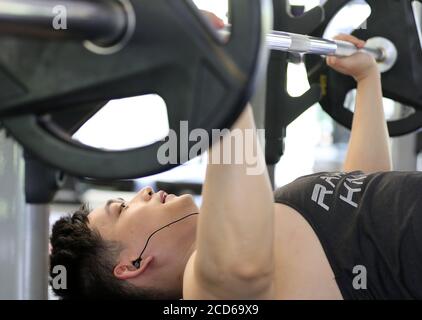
[(369, 148), (234, 257)]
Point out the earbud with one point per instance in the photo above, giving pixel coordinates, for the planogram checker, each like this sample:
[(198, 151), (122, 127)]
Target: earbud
[(137, 263)]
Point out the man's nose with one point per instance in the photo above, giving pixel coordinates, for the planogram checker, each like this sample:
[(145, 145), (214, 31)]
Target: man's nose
[(144, 194)]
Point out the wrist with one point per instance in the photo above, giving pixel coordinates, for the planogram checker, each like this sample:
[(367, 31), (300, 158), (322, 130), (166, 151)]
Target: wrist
[(372, 74)]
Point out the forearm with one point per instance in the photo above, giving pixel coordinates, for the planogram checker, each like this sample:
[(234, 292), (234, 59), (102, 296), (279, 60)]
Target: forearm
[(235, 234), (369, 148)]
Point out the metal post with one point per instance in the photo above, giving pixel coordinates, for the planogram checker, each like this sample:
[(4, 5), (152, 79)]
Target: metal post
[(35, 249), (12, 220), (404, 153), (24, 231), (404, 149), (41, 184)]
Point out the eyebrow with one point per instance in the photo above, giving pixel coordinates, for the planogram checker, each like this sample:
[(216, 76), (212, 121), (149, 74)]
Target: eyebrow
[(110, 202)]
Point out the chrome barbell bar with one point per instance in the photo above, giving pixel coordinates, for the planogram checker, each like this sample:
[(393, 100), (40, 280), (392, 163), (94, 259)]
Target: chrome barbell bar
[(104, 21), (382, 49)]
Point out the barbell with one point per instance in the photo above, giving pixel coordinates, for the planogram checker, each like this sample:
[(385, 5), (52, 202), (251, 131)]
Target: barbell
[(398, 21), (164, 48), (113, 49), (106, 26), (394, 20)]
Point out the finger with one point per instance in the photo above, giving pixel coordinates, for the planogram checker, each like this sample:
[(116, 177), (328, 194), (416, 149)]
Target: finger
[(334, 62), (352, 39), (216, 21), (331, 61)]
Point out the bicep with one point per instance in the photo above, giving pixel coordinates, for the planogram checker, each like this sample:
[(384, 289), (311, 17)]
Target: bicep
[(196, 287)]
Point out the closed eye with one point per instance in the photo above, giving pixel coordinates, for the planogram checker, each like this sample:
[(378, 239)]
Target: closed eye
[(123, 206), (120, 203)]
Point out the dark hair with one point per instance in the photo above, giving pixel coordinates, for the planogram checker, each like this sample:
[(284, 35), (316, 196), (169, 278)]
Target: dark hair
[(89, 261)]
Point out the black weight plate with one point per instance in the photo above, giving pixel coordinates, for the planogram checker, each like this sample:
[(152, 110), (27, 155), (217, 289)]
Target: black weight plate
[(173, 52), (280, 108), (390, 19)]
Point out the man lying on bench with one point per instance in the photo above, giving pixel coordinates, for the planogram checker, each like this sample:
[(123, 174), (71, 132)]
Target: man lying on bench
[(355, 234)]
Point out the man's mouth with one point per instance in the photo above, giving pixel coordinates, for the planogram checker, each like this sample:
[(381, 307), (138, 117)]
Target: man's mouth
[(163, 196)]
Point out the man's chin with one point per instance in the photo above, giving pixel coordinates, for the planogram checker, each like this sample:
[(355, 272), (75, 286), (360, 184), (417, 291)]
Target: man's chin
[(189, 202), (184, 203)]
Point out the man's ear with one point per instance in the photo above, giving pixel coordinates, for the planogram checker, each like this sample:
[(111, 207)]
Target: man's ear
[(124, 271)]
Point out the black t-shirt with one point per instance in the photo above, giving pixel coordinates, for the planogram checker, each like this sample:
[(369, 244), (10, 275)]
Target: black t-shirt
[(370, 227)]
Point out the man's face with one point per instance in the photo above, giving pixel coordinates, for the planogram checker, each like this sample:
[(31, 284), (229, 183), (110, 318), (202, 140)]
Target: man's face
[(131, 223)]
